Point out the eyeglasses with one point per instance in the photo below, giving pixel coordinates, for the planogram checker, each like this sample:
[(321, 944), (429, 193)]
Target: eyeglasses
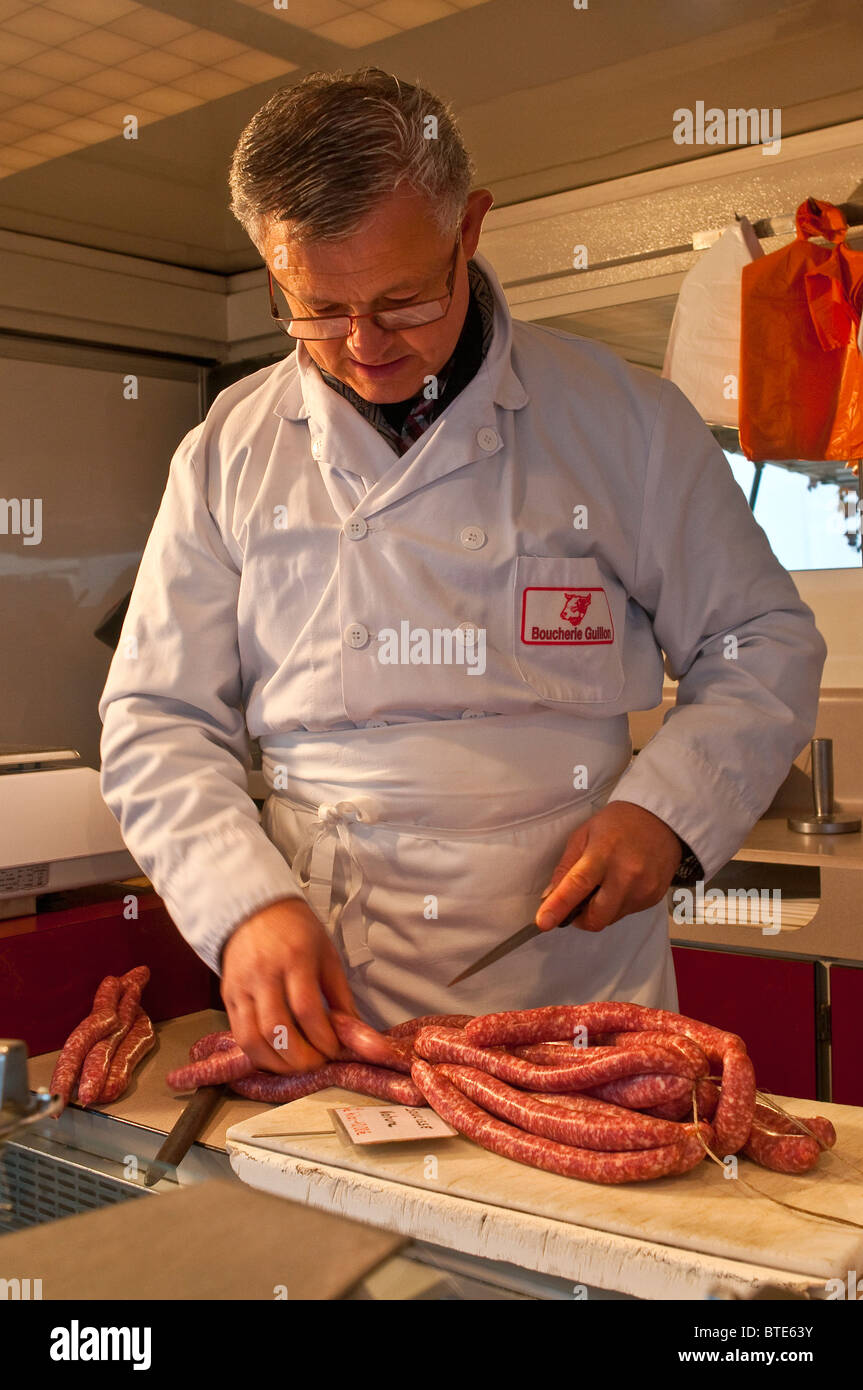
[(391, 320)]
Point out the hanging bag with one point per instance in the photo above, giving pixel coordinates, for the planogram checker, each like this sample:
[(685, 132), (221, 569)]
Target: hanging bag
[(801, 374)]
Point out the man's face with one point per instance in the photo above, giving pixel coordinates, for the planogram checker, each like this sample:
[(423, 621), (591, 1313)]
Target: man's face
[(398, 257)]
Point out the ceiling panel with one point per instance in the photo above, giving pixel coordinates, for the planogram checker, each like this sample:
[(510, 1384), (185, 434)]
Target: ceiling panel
[(549, 97)]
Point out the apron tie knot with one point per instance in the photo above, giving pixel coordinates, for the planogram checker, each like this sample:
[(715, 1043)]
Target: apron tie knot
[(328, 839)]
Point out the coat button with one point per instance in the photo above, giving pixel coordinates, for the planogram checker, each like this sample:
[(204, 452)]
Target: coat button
[(357, 635), (317, 448), (356, 528), (373, 724), (487, 438), (472, 537), (472, 714), (467, 627)]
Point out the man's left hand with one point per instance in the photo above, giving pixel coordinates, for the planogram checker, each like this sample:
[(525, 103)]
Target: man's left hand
[(627, 853)]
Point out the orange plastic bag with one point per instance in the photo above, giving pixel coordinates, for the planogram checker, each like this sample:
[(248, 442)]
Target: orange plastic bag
[(801, 374)]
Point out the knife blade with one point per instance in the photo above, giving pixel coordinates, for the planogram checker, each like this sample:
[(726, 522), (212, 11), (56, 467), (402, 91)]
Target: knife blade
[(512, 943), (186, 1130)]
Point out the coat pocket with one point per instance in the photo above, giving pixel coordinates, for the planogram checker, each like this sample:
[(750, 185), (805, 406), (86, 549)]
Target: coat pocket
[(568, 621)]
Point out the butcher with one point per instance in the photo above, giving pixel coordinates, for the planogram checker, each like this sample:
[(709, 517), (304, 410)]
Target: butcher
[(430, 559)]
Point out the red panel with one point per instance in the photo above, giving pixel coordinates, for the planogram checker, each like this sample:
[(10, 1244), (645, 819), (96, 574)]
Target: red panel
[(769, 1001), (846, 1010), (51, 965)]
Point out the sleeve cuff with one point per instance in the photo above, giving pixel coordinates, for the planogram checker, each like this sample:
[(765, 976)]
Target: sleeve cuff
[(712, 822), (228, 877)]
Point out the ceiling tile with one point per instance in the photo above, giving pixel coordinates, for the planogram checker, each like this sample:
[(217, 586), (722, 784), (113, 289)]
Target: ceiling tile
[(158, 66), (10, 131), (209, 84), (44, 25), (21, 83), (204, 47), (14, 48), (150, 26), (93, 11), (20, 159), (257, 67), (49, 144), (307, 13), (356, 30), (62, 66), (8, 7), (73, 100), (103, 47), (115, 83), (410, 14), (6, 101), (168, 101), (37, 117), (91, 132)]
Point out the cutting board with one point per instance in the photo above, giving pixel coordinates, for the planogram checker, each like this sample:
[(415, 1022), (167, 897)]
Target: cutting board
[(673, 1237)]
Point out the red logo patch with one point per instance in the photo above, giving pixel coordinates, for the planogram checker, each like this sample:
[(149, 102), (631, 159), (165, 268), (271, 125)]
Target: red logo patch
[(559, 618)]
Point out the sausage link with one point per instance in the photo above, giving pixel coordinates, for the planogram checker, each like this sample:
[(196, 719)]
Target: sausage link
[(684, 1047), (138, 978), (101, 1021), (736, 1109), (411, 1026), (568, 1125), (706, 1098), (498, 1137), (139, 1040), (558, 1022), (777, 1123), (219, 1067), (366, 1044), (361, 1077), (96, 1065), (275, 1089), (783, 1153), (642, 1091), (550, 1054), (594, 1066), (211, 1042), (640, 1122)]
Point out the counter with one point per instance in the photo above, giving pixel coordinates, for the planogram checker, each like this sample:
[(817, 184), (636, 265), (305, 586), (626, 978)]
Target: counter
[(681, 1238)]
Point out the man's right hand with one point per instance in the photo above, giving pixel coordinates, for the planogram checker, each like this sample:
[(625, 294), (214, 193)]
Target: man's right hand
[(278, 969)]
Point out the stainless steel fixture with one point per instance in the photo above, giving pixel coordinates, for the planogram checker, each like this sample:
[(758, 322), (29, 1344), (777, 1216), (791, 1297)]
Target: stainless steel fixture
[(826, 819)]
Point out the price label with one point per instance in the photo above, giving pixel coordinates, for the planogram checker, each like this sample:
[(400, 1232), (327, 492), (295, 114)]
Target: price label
[(386, 1124)]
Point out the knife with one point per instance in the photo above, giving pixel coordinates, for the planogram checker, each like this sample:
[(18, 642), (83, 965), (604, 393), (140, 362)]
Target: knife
[(526, 933), (186, 1130)]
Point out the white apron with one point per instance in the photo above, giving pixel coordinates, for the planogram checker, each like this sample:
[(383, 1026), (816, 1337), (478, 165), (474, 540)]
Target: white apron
[(421, 846)]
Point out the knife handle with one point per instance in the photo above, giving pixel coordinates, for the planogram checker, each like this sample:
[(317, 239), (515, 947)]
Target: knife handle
[(579, 907)]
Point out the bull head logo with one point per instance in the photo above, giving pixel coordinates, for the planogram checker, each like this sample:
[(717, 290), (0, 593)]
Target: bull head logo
[(575, 607)]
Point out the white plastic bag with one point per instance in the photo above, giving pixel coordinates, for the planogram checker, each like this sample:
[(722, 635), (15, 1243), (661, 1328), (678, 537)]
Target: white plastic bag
[(703, 353)]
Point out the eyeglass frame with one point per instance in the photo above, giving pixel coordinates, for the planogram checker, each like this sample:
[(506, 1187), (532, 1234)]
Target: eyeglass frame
[(318, 318)]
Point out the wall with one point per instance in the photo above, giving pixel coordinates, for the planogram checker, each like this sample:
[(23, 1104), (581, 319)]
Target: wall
[(98, 462)]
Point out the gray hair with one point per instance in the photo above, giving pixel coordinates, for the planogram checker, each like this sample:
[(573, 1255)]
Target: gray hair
[(322, 154)]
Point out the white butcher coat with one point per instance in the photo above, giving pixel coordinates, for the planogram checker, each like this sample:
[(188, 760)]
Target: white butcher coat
[(299, 581)]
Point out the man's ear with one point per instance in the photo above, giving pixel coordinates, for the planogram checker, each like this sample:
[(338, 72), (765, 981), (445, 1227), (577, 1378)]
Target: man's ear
[(479, 202)]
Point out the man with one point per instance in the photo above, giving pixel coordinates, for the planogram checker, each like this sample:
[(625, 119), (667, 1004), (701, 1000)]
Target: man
[(430, 560)]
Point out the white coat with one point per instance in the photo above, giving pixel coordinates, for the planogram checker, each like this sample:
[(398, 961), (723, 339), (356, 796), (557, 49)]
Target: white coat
[(575, 512)]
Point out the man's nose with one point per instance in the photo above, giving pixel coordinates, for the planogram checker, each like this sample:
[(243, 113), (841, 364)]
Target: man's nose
[(367, 341)]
